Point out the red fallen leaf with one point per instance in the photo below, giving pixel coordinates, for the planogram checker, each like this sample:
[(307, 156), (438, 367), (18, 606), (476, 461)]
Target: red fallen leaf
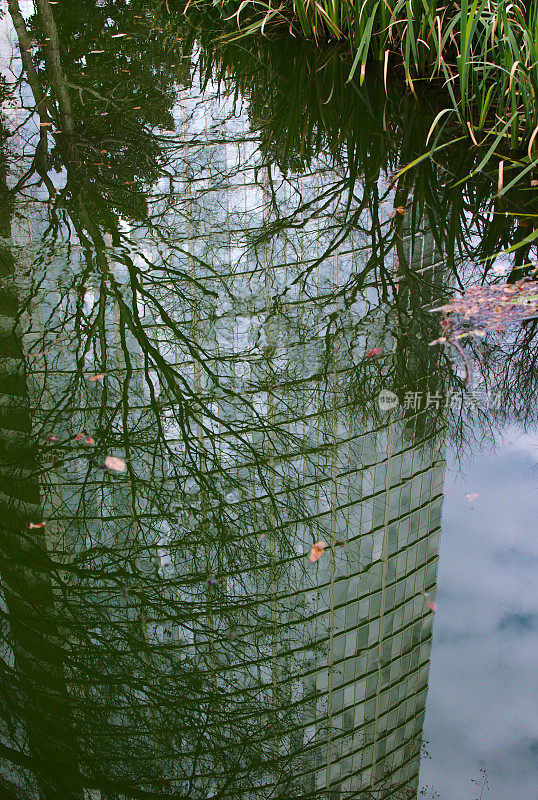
[(52, 438), (317, 551), (80, 436), (431, 605), (89, 440), (97, 377), (117, 464), (36, 525), (375, 351), (401, 210)]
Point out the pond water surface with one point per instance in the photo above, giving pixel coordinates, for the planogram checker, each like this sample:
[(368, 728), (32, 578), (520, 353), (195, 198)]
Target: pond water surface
[(259, 539)]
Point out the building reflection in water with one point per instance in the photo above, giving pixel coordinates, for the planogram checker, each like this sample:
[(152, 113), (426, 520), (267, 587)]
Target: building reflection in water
[(181, 643)]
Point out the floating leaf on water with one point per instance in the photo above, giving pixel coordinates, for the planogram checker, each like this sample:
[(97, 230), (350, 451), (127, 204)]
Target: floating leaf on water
[(83, 437), (484, 308), (374, 351), (96, 377), (317, 551), (431, 605), (52, 438), (118, 35), (117, 464), (471, 496), (36, 525)]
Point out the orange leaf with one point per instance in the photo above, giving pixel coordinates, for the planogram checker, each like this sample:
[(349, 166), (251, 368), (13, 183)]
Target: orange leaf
[(317, 551), (97, 377), (36, 525)]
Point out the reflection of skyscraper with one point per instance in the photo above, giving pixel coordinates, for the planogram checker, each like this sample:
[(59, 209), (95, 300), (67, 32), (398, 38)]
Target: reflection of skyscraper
[(346, 644), (251, 431)]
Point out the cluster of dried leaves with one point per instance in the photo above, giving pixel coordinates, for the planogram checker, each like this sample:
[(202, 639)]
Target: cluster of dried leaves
[(488, 308)]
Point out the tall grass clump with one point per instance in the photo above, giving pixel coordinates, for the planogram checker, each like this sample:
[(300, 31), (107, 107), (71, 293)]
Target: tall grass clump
[(484, 52)]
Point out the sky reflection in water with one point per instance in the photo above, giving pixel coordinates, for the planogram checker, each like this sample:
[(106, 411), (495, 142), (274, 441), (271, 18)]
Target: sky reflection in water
[(480, 714)]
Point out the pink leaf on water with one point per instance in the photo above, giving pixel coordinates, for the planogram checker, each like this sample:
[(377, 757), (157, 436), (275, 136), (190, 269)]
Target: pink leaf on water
[(52, 438), (117, 464), (431, 605), (375, 351), (36, 525), (97, 377), (317, 551), (471, 496)]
